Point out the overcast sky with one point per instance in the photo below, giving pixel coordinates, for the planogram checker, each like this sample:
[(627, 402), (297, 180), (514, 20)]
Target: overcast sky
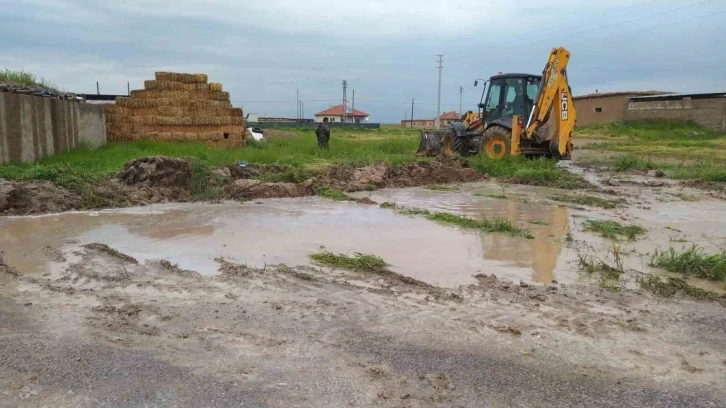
[(262, 51)]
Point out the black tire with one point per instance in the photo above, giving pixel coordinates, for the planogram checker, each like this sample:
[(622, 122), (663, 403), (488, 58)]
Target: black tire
[(496, 143), (461, 147)]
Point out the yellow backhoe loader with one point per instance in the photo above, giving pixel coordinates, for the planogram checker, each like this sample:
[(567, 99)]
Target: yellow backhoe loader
[(519, 114)]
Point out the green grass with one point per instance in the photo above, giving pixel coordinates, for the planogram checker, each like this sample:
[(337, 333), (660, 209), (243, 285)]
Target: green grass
[(686, 197), (609, 275), (587, 200), (683, 150), (671, 286), (333, 194), (521, 170), (691, 261), (613, 229), (413, 211), (486, 225), (25, 78), (359, 261), (495, 196), (442, 188), (651, 130)]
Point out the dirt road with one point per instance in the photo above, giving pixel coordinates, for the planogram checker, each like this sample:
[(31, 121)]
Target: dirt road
[(135, 325)]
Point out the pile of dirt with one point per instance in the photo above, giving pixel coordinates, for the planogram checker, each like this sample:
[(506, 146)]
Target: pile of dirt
[(381, 175), (249, 188), (157, 171), (30, 197)]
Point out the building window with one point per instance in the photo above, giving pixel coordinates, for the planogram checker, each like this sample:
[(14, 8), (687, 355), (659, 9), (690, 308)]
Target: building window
[(598, 110)]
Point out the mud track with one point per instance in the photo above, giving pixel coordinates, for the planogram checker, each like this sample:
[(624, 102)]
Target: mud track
[(102, 332)]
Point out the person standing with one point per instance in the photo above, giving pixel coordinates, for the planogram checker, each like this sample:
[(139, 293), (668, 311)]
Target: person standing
[(323, 134)]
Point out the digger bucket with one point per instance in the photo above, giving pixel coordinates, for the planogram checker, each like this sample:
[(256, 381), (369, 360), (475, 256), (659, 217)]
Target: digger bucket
[(431, 142)]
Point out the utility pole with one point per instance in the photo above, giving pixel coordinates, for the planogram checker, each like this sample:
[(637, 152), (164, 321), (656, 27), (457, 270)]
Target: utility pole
[(98, 90), (345, 101), (302, 110), (297, 101), (411, 113), (438, 99), (461, 92), (128, 89)]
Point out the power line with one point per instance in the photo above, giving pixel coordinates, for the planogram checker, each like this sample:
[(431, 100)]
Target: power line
[(438, 99)]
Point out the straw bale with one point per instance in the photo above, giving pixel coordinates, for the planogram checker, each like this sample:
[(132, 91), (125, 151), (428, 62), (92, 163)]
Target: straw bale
[(184, 78), (215, 86), (174, 86), (237, 120), (236, 112)]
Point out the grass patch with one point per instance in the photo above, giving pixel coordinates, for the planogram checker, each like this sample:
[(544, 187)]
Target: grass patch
[(538, 222), (613, 229), (495, 196), (587, 200), (692, 261), (413, 211), (442, 188), (300, 153), (686, 197), (25, 78), (669, 287), (486, 225), (521, 170), (333, 194), (359, 261), (609, 275), (203, 188), (388, 204), (681, 149)]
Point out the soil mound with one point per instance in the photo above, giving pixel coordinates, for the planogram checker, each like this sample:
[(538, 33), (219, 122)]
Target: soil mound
[(29, 197), (157, 171), (249, 188), (380, 175)]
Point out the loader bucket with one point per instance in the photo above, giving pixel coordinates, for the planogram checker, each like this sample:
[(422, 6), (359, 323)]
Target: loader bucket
[(431, 143)]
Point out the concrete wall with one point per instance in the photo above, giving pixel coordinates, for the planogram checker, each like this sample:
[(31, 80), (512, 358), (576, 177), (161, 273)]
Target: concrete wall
[(600, 109), (710, 112), (33, 127)]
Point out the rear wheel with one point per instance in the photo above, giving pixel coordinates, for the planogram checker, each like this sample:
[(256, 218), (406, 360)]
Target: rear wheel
[(496, 143)]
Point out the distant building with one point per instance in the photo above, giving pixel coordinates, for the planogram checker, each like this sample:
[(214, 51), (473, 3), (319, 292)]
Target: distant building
[(602, 107), (252, 118), (335, 115), (445, 119), (706, 109)]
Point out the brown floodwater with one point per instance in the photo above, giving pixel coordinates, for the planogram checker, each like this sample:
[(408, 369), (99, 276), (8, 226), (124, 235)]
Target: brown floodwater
[(288, 230)]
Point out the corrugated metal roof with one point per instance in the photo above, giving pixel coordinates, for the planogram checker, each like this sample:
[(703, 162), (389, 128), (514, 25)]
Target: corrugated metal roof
[(681, 96)]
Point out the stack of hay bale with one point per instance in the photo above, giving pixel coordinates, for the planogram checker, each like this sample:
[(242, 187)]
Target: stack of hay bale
[(177, 107)]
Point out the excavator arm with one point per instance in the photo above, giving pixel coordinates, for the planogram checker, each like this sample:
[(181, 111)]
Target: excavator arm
[(553, 116)]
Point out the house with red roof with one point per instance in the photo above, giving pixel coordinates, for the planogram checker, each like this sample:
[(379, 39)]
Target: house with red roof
[(445, 119), (335, 114)]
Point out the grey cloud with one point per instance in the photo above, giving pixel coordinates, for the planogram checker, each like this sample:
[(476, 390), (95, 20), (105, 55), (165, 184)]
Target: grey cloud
[(264, 53)]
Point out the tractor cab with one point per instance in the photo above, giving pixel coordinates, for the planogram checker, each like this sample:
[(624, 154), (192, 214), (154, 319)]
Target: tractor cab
[(508, 95)]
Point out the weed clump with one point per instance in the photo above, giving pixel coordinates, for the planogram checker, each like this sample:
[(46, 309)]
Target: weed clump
[(359, 261), (538, 222), (587, 200), (692, 261), (536, 172), (613, 229), (333, 194), (671, 286), (486, 225), (442, 188)]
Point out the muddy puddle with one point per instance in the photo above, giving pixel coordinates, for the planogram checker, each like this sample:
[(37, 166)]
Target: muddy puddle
[(288, 230)]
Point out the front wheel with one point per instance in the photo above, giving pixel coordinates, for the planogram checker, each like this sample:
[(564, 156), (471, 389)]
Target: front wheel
[(496, 143)]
